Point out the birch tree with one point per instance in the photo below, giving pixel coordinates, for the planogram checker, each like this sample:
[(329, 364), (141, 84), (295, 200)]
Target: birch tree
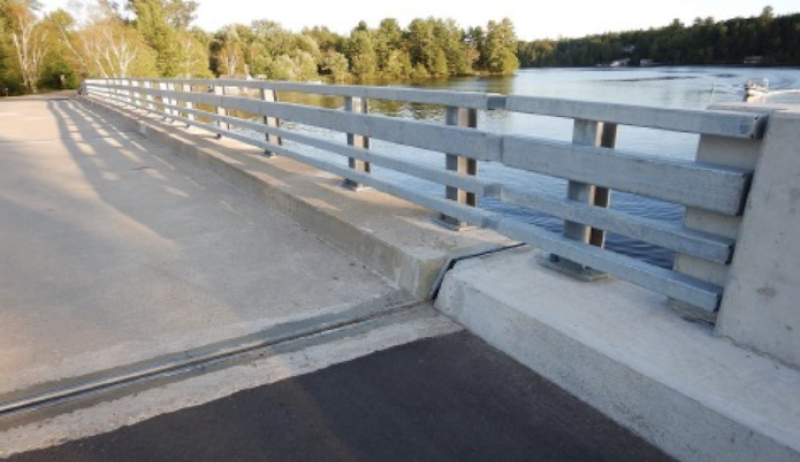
[(231, 56), (104, 46), (29, 40), (192, 59), (111, 49)]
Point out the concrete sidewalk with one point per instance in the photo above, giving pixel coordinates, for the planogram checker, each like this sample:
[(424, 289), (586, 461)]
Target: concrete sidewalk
[(113, 250)]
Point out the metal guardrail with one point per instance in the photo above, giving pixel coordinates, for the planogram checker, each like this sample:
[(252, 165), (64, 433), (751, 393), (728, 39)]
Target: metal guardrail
[(590, 163)]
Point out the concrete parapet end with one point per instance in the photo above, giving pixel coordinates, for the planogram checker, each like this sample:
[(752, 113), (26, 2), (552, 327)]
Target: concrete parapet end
[(617, 347), (761, 306), (398, 239)]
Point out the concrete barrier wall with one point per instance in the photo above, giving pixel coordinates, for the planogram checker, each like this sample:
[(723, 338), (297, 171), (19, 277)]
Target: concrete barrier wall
[(618, 348)]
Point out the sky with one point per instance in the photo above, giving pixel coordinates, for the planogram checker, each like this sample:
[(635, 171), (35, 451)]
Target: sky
[(533, 19)]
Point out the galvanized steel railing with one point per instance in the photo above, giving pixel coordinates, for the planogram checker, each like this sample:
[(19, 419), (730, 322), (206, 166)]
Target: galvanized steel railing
[(590, 164)]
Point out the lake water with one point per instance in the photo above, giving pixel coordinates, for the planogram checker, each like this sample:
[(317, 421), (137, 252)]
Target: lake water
[(672, 87)]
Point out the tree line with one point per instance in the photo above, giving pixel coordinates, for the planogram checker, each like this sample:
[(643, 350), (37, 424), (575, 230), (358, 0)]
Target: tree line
[(156, 38), (774, 39)]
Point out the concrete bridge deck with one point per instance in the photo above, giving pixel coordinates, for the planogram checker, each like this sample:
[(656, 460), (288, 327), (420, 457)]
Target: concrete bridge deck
[(116, 252)]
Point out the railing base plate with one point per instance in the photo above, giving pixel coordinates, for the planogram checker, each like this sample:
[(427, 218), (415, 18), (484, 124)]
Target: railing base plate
[(355, 187), (691, 313), (575, 270), (452, 223)]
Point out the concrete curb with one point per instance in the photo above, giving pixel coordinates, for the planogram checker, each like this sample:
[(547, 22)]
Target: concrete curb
[(618, 348), (397, 239)]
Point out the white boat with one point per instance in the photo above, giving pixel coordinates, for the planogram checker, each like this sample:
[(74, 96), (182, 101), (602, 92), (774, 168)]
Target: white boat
[(755, 91)]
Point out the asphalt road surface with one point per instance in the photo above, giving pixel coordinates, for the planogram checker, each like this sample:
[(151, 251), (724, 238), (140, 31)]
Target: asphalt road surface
[(450, 398)]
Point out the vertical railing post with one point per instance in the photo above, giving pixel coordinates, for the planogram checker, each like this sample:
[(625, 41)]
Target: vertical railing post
[(602, 196), (131, 95), (172, 101), (175, 100), (357, 105), (113, 91), (586, 133), (120, 91), (126, 96), (189, 105), (164, 100), (468, 118), (271, 96), (148, 96), (219, 90), (134, 94)]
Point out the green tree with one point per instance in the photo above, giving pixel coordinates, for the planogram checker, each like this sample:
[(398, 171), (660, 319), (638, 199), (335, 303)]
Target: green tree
[(283, 68), (229, 51), (422, 45), (501, 47), (30, 40), (61, 71), (272, 38), (306, 65), (398, 64), (106, 46), (452, 41), (151, 22), (705, 41), (420, 72), (307, 44), (180, 13), (269, 50), (439, 64), (475, 39), (360, 50), (164, 24), (336, 64), (9, 79), (192, 57), (388, 39), (326, 40)]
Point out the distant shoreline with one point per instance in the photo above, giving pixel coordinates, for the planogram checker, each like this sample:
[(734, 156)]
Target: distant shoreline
[(655, 66)]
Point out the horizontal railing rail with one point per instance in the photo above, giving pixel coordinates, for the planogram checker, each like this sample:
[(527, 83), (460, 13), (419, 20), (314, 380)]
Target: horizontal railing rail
[(465, 142), (720, 123), (591, 165), (720, 189), (408, 95), (723, 187)]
